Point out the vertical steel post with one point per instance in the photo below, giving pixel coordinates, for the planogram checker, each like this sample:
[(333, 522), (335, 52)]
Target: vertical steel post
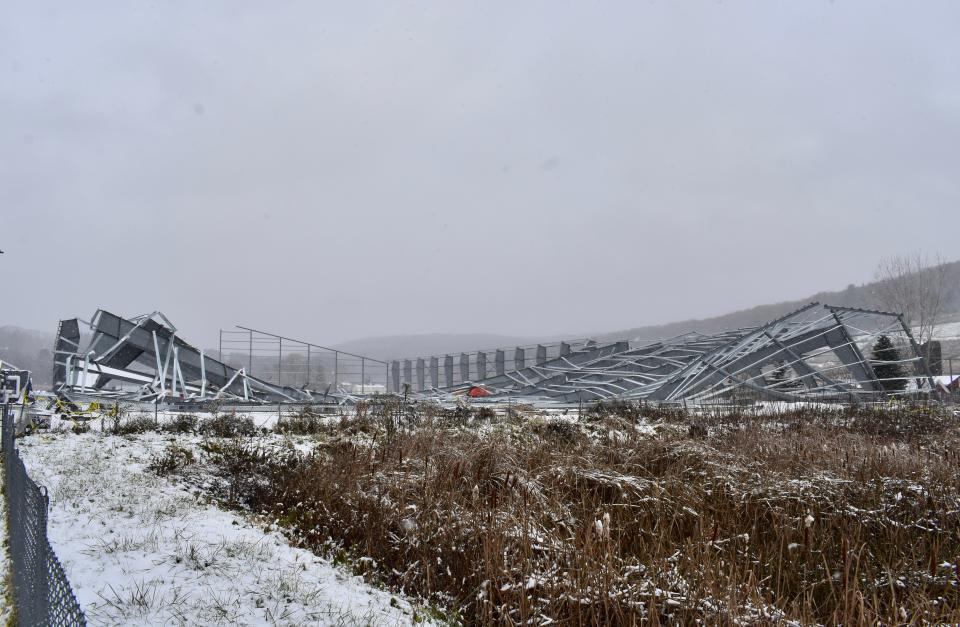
[(448, 370), (336, 370), (280, 363), (203, 377), (221, 344), (308, 365), (249, 356), (363, 376)]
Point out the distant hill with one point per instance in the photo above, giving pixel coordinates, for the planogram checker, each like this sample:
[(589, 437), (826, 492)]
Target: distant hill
[(853, 296), (30, 350), (419, 345)]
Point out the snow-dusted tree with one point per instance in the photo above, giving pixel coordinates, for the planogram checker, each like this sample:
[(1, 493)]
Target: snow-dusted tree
[(886, 365), (916, 286)]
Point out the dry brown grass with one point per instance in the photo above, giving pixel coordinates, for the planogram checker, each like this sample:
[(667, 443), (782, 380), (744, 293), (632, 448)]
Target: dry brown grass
[(810, 516)]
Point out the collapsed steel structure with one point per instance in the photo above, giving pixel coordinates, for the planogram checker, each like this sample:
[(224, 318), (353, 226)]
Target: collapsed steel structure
[(817, 352), (142, 359)]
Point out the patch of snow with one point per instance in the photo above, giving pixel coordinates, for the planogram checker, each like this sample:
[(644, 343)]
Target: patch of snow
[(139, 550), (947, 331), (5, 574)]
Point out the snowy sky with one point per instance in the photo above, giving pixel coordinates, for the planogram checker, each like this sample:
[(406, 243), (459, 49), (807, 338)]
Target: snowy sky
[(336, 170)]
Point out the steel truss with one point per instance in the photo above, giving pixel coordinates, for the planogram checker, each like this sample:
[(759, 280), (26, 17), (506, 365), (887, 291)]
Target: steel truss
[(817, 352), (143, 359)]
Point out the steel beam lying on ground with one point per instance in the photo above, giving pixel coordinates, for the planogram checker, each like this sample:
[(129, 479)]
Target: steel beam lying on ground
[(818, 352)]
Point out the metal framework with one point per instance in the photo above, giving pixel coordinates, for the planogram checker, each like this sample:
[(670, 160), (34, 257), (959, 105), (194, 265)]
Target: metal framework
[(143, 359), (817, 352), (287, 361)]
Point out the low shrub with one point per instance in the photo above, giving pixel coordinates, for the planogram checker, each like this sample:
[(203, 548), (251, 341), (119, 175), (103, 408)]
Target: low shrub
[(228, 426), (137, 424), (303, 423), (562, 432), (173, 459), (182, 423)]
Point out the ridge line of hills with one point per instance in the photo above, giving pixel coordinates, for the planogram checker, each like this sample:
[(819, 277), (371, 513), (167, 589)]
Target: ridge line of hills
[(862, 296), (33, 350)]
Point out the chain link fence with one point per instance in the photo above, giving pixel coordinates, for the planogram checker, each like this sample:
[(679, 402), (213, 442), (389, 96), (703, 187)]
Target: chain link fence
[(41, 591)]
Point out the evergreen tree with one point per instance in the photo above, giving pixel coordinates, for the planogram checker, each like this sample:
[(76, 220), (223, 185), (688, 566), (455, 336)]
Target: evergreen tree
[(887, 355)]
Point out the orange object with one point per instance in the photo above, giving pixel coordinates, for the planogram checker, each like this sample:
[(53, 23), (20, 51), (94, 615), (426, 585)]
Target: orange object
[(477, 392)]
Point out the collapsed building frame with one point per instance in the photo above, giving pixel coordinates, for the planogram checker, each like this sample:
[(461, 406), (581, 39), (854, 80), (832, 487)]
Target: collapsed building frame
[(143, 359), (818, 352)]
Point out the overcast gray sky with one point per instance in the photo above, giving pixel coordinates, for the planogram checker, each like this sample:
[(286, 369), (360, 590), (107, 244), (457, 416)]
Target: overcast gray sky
[(336, 170)]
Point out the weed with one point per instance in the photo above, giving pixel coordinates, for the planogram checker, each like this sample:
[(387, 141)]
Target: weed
[(182, 423), (305, 422), (228, 426), (137, 424), (808, 515), (173, 459)]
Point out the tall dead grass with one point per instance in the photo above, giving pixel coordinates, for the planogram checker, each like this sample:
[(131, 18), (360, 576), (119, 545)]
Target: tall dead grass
[(812, 515)]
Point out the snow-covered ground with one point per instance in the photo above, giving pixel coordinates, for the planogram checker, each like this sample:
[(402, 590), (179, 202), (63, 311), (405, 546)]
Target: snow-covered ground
[(140, 550), (5, 593), (947, 331)]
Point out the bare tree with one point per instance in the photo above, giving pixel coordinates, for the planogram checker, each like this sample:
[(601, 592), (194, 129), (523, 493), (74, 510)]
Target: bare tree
[(916, 286)]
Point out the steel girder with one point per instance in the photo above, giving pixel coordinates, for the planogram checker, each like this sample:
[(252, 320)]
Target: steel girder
[(816, 352), (145, 360)]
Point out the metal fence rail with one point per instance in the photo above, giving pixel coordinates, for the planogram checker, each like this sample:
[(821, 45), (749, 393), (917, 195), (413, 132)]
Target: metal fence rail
[(42, 594)]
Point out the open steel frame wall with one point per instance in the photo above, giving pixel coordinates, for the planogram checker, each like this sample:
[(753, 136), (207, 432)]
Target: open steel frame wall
[(453, 370), (142, 359), (818, 352), (287, 361)]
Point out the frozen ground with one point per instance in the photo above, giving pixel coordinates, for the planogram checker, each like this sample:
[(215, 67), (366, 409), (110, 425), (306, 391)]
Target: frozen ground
[(140, 550), (947, 331), (5, 582)]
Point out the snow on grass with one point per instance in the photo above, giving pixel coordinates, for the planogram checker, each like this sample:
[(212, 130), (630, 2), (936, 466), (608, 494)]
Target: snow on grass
[(947, 331), (6, 591), (141, 551)]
